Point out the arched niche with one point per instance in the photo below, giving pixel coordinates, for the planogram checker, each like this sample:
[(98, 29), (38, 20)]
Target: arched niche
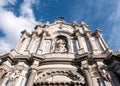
[(63, 33), (61, 44)]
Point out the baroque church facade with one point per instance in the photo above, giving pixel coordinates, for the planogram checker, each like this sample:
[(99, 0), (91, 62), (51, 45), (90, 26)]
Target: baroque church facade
[(60, 54)]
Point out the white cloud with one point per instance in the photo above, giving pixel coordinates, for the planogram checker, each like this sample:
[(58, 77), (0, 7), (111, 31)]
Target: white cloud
[(6, 2), (13, 25), (4, 46), (114, 39)]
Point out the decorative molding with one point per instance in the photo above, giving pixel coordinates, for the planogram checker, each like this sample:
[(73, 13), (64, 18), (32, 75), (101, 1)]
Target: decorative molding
[(74, 76)]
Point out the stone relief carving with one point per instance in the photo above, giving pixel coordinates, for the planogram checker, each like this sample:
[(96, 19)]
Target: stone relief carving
[(105, 73), (14, 75), (2, 72), (60, 46), (74, 76)]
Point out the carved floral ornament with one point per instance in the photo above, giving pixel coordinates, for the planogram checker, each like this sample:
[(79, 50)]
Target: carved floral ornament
[(74, 76)]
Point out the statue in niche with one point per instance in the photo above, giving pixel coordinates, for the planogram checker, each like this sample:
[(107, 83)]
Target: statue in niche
[(60, 46)]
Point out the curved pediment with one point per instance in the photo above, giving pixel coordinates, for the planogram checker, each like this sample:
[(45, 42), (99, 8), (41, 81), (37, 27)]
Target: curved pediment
[(61, 32), (57, 29)]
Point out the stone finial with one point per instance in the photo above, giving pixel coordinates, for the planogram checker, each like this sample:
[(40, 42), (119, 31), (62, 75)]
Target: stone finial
[(47, 23), (39, 25), (83, 23), (75, 22), (118, 51), (61, 18)]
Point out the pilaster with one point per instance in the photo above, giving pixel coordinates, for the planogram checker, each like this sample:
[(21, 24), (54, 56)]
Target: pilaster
[(39, 51), (31, 42), (81, 46), (23, 37), (101, 38)]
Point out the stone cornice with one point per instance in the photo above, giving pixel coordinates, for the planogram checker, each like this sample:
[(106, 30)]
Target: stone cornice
[(7, 57), (22, 58), (59, 61), (37, 57), (25, 32)]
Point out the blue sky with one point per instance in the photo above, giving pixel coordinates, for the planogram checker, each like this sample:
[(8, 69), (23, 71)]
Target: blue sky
[(17, 15)]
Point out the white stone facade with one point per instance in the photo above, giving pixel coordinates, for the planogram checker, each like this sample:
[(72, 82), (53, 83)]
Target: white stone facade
[(60, 54)]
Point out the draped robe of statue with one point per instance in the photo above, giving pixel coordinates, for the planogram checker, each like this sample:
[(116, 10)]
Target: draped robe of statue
[(60, 46)]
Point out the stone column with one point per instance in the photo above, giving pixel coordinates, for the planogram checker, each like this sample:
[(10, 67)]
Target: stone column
[(88, 77), (32, 73), (3, 83), (96, 75), (86, 73), (19, 81), (39, 51), (31, 78)]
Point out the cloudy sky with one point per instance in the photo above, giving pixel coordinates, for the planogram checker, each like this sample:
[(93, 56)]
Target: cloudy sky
[(17, 15)]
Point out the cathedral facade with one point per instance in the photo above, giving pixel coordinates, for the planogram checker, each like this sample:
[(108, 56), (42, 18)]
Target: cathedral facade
[(60, 54)]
